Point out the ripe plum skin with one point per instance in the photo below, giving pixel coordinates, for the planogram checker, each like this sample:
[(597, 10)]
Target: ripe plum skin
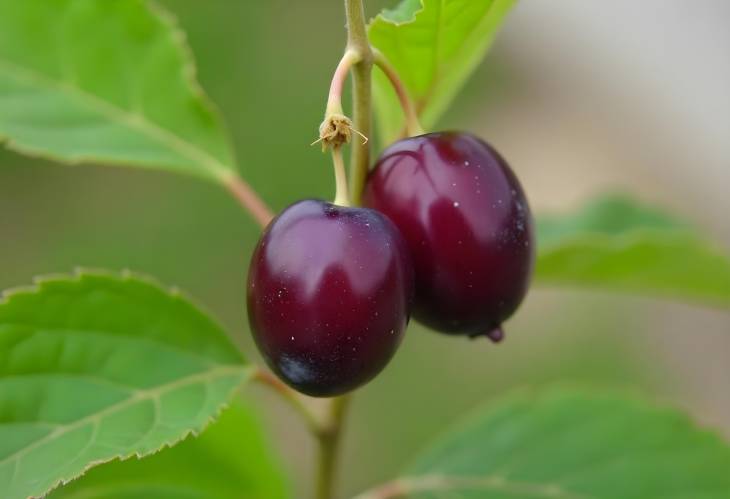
[(468, 226), (329, 295)]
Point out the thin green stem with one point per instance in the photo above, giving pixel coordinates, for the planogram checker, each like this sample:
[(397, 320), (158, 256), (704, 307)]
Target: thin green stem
[(413, 126), (328, 446), (291, 397), (248, 198), (357, 41), (327, 432), (359, 57), (342, 196), (336, 129), (334, 99)]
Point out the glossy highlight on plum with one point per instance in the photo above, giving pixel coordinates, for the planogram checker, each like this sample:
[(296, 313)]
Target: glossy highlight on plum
[(468, 226), (329, 295)]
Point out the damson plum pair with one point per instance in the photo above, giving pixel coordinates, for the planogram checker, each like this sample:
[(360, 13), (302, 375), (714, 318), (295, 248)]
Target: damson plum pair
[(447, 234)]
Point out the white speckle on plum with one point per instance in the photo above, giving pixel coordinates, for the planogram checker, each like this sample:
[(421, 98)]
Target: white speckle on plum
[(456, 204)]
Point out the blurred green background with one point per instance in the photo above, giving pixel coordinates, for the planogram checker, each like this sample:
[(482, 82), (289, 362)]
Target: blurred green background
[(576, 111)]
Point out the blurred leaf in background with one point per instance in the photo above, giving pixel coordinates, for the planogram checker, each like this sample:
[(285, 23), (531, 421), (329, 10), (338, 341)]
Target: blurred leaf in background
[(569, 443), (598, 348), (616, 243)]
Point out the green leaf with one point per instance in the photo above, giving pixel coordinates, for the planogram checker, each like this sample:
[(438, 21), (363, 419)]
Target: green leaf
[(434, 45), (231, 460), (617, 244), (108, 82), (571, 444), (403, 12), (98, 366)]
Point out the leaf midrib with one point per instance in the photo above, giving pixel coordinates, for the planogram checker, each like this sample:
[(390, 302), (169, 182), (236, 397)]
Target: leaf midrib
[(135, 121), (135, 397)]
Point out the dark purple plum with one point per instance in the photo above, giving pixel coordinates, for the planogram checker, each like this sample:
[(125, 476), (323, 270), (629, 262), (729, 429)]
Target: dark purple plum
[(329, 295), (468, 226)]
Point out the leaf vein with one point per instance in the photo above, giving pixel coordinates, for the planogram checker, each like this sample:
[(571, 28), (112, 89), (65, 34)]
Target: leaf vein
[(140, 396), (131, 120)]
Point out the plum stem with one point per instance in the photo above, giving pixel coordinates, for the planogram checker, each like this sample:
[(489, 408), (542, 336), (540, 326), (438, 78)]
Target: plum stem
[(327, 431), (361, 63), (248, 198), (336, 129), (328, 440), (357, 41), (334, 99), (413, 125), (296, 401), (342, 196)]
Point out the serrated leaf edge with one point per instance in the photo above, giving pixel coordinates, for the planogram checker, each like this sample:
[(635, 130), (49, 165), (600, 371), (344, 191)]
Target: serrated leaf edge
[(125, 275), (220, 171), (194, 432), (190, 70), (7, 296)]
